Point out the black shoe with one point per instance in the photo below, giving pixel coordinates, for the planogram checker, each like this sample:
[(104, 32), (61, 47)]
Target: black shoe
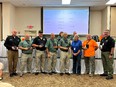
[(15, 74), (36, 73), (103, 74), (54, 72), (43, 72), (109, 77), (11, 75), (61, 74), (67, 73), (50, 73), (78, 74), (74, 73)]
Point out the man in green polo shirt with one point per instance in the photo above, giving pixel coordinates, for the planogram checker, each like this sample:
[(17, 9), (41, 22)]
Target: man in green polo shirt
[(51, 49), (64, 45), (26, 58)]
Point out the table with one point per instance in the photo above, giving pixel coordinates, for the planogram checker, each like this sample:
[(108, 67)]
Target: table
[(98, 62)]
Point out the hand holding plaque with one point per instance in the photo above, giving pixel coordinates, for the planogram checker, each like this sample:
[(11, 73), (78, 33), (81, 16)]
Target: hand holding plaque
[(14, 48), (87, 46)]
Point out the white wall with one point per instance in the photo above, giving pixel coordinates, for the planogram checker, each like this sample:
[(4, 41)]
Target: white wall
[(104, 19), (12, 17), (19, 18), (0, 21), (28, 16), (113, 22), (95, 22), (8, 18)]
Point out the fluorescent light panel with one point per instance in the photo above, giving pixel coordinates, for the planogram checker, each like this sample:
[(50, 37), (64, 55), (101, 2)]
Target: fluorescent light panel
[(66, 1), (111, 2)]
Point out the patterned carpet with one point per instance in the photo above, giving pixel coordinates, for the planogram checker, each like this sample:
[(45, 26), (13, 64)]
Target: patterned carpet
[(45, 80)]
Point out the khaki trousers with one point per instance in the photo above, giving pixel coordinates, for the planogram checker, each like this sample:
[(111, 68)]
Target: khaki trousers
[(12, 61), (40, 61), (107, 63), (26, 60), (64, 62), (52, 62), (90, 64)]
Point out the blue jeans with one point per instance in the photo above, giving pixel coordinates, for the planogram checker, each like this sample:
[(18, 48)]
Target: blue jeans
[(77, 64)]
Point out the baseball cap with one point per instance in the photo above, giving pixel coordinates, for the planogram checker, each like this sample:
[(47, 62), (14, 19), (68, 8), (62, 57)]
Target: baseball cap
[(40, 31)]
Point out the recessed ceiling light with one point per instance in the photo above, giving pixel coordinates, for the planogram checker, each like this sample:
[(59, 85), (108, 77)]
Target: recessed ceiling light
[(66, 1), (111, 2)]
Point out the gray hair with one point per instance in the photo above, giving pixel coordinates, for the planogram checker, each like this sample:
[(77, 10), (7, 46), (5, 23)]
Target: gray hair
[(76, 35)]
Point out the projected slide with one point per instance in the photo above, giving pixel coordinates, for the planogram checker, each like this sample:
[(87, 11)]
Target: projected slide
[(66, 20)]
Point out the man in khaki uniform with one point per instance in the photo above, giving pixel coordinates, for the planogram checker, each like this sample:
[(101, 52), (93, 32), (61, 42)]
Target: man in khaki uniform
[(11, 44), (39, 43), (26, 58), (51, 48), (64, 45)]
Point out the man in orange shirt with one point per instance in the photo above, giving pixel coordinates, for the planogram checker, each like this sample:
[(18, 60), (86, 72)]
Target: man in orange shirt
[(89, 47)]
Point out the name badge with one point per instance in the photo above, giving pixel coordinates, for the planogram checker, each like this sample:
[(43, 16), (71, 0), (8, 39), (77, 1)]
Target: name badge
[(101, 46)]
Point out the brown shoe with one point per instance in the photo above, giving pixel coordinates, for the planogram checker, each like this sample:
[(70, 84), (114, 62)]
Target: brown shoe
[(11, 75), (61, 74)]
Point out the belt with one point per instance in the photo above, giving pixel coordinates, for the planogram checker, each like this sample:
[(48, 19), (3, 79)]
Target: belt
[(40, 50), (26, 53), (13, 50), (64, 50), (105, 51), (53, 51)]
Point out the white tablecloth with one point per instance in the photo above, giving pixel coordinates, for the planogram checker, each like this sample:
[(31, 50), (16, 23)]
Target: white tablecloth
[(3, 51), (99, 68), (98, 65)]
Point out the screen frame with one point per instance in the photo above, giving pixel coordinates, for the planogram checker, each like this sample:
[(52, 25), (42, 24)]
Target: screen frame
[(49, 7)]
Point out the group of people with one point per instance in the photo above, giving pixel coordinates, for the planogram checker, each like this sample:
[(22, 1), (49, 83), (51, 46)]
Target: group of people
[(46, 49)]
